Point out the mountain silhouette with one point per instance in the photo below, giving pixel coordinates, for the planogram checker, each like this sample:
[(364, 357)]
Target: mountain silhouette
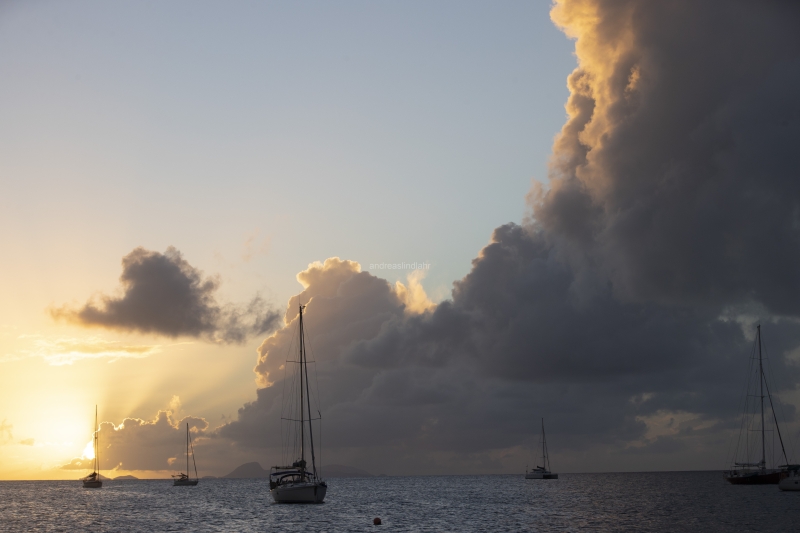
[(249, 470)]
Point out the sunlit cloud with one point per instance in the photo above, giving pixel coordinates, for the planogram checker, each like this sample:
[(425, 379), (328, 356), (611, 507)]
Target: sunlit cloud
[(5, 432), (67, 350), (7, 330), (413, 294), (78, 464), (175, 405), (667, 424)]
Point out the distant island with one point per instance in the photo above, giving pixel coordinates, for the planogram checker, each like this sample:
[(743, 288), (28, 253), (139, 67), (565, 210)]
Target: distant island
[(254, 470), (248, 470), (123, 478)]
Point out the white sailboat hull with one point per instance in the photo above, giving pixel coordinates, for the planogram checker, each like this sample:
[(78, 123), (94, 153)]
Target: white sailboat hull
[(299, 493), (790, 483)]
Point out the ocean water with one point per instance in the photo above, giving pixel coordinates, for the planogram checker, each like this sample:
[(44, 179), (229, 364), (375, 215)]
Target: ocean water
[(664, 501)]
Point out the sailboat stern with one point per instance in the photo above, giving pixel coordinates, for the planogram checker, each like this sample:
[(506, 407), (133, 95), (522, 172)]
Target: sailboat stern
[(92, 481), (309, 492), (754, 477), (296, 485)]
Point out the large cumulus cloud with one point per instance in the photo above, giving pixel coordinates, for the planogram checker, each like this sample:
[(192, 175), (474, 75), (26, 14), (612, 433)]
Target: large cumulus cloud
[(459, 388), (623, 308), (676, 173), (164, 294)]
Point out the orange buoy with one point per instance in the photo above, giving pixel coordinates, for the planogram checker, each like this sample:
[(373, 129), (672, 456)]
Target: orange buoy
[(377, 521)]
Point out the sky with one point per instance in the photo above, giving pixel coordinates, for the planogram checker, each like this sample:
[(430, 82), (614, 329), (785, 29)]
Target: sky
[(603, 194)]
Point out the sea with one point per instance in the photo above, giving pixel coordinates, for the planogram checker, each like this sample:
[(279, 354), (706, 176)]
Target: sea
[(660, 501)]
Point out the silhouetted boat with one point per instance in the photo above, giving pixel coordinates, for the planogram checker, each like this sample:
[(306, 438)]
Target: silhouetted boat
[(183, 480), (748, 471), (93, 481), (542, 472), (298, 483)]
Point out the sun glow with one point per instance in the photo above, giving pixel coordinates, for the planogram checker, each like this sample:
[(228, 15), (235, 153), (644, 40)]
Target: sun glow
[(88, 451)]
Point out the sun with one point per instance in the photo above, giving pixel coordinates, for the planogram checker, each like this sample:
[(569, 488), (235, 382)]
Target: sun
[(88, 451)]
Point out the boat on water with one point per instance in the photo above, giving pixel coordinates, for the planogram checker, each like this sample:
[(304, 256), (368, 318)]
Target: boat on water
[(183, 480), (792, 479), (542, 472), (299, 482), (93, 481), (745, 468)]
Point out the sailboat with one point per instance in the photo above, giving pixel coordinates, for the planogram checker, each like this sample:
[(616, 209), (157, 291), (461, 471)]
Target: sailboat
[(792, 479), (298, 483), (542, 472), (183, 480), (748, 471), (93, 481)]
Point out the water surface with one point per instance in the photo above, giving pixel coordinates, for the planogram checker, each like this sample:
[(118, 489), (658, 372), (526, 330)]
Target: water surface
[(661, 502)]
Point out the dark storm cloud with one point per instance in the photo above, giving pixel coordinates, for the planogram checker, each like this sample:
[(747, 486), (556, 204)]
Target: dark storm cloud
[(623, 310), (164, 294), (439, 391)]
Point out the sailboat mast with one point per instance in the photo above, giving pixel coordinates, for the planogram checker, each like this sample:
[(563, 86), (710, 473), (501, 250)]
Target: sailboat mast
[(777, 427), (310, 432), (187, 449), (302, 422), (761, 384), (193, 461), (544, 445), (96, 458)]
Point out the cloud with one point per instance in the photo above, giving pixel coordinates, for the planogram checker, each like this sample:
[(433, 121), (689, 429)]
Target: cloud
[(27, 442), (348, 304), (164, 294), (59, 351), (448, 389), (175, 405), (137, 444), (675, 175), (5, 432), (627, 297), (78, 463)]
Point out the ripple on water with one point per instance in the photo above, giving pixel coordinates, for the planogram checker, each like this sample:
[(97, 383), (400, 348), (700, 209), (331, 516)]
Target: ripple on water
[(666, 501)]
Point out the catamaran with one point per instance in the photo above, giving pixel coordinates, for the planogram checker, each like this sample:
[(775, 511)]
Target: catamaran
[(93, 481), (298, 483), (183, 480), (747, 471), (542, 472)]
